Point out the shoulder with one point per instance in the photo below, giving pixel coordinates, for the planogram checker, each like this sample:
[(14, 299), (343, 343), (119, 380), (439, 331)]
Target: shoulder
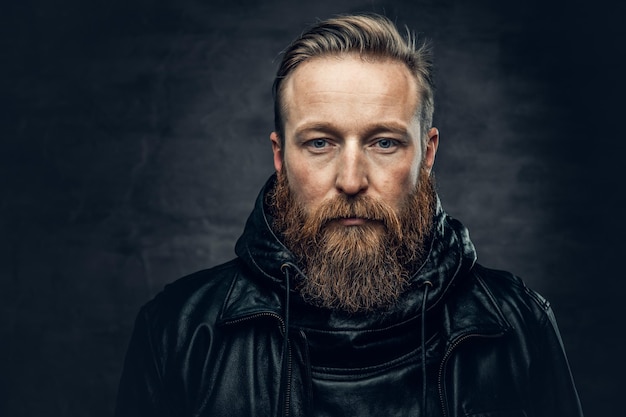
[(509, 288), (520, 305), (197, 297)]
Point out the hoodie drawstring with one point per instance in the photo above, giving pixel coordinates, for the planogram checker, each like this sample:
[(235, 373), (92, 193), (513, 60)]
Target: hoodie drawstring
[(427, 285)]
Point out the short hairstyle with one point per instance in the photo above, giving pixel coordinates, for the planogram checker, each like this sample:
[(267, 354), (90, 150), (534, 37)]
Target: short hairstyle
[(369, 35)]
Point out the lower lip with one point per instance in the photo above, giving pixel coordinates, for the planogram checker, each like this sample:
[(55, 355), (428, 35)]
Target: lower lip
[(353, 221)]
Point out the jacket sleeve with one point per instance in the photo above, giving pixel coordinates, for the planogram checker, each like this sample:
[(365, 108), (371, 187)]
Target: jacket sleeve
[(141, 390), (552, 385)]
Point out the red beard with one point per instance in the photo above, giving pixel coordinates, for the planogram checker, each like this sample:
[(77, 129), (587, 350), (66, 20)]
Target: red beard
[(355, 268)]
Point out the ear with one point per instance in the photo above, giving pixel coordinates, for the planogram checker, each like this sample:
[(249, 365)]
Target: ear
[(431, 149), (278, 151)]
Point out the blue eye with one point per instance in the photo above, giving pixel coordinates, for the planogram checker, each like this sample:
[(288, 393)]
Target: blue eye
[(319, 143), (385, 143)]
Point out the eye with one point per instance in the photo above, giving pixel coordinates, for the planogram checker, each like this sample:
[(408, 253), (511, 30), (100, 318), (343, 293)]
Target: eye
[(319, 143), (386, 143)]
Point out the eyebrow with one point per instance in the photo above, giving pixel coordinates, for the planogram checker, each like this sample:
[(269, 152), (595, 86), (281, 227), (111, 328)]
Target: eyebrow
[(375, 128)]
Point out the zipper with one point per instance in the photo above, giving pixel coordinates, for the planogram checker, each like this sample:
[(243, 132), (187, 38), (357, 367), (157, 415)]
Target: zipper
[(445, 358), (258, 315), (288, 393)]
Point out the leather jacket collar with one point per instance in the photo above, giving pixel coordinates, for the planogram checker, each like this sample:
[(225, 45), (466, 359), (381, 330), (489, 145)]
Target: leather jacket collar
[(451, 255)]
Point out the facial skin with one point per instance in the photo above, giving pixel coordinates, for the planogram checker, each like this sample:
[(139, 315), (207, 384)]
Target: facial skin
[(351, 127)]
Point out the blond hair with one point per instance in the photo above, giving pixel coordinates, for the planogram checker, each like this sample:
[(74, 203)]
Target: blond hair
[(369, 35)]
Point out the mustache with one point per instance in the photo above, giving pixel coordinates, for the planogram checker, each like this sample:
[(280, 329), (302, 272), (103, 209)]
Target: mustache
[(361, 206)]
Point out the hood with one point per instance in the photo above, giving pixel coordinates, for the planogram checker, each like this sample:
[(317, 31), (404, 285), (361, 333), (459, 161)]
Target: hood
[(450, 253)]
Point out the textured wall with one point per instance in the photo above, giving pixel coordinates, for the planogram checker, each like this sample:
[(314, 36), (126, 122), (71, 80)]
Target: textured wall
[(134, 138)]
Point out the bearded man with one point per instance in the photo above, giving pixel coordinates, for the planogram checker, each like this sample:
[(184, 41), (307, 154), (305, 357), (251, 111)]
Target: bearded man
[(353, 293)]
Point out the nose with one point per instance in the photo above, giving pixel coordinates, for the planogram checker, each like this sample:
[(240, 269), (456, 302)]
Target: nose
[(352, 173)]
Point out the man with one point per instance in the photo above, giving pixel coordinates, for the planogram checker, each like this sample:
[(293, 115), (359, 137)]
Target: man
[(353, 293)]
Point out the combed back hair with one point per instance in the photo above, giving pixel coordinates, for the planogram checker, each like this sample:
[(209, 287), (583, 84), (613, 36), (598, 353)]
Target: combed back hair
[(370, 36)]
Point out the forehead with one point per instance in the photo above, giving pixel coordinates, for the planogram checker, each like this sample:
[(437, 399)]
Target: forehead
[(352, 81)]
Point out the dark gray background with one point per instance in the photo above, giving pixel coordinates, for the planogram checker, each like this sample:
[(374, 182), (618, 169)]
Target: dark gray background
[(135, 137)]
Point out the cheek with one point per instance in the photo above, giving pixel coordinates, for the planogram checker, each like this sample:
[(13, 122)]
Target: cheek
[(400, 182), (403, 170), (405, 174), (302, 181), (413, 173)]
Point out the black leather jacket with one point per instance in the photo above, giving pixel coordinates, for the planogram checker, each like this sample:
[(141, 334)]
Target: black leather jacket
[(464, 341)]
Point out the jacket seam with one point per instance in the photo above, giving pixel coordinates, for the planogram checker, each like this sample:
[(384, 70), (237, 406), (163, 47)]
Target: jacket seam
[(228, 295), (496, 306), (541, 302)]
